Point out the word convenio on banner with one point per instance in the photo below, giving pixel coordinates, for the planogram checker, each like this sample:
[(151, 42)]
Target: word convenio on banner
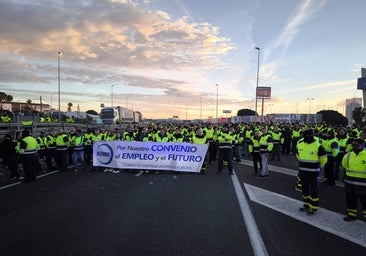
[(162, 148)]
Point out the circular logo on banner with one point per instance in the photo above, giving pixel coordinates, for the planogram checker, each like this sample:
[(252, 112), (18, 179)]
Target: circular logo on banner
[(104, 154)]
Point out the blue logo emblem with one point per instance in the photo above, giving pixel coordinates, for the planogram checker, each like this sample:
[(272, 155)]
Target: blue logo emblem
[(104, 154)]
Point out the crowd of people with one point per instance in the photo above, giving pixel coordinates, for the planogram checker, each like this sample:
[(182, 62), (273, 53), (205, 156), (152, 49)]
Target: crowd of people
[(336, 150)]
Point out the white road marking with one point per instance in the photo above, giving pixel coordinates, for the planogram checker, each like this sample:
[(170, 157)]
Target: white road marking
[(139, 173), (255, 237), (18, 182), (285, 171), (10, 185), (324, 219)]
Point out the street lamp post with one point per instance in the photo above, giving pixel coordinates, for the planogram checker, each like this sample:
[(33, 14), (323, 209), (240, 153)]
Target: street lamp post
[(256, 89), (217, 102), (59, 53), (310, 99)]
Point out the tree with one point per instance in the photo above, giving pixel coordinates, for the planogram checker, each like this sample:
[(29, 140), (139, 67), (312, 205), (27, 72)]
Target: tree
[(358, 114), (2, 97), (245, 112), (69, 106), (29, 101), (332, 117), (9, 98), (92, 112)]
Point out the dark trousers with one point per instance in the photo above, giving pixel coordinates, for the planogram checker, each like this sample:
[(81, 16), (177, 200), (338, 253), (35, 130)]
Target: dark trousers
[(257, 159), (88, 154), (237, 152), (213, 151), (48, 158), (329, 171), (30, 162), (286, 146), (225, 155), (293, 144), (353, 193), (276, 152), (310, 189), (12, 163), (62, 159), (337, 166)]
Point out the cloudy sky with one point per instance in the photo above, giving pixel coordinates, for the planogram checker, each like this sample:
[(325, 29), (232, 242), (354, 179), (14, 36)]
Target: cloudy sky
[(169, 58)]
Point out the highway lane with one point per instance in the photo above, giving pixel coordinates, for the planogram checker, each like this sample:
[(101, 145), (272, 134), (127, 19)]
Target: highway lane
[(135, 213), (105, 214)]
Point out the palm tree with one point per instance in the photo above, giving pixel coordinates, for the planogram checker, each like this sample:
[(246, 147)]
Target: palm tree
[(28, 109), (9, 98), (2, 97), (69, 105)]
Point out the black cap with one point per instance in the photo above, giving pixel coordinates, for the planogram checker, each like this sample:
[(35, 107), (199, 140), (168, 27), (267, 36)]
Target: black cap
[(309, 132)]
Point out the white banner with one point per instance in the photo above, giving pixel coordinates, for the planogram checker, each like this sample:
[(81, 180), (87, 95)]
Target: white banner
[(172, 156)]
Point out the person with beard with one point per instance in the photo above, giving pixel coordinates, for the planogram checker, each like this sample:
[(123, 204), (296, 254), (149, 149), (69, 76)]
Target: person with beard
[(331, 146), (62, 149), (312, 158), (344, 142), (88, 146), (225, 139), (162, 136), (295, 136), (277, 143), (128, 135), (177, 136), (265, 149), (209, 132), (200, 138), (239, 138), (144, 135), (254, 151)]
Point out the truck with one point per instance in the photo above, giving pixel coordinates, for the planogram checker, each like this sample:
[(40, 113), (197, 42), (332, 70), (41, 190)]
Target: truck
[(118, 114)]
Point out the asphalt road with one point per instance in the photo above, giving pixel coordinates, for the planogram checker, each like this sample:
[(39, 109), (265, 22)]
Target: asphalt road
[(136, 213)]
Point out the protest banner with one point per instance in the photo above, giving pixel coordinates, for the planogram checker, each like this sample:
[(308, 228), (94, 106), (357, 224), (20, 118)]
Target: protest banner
[(170, 156)]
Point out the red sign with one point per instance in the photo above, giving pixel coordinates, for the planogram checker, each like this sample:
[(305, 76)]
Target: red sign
[(263, 92)]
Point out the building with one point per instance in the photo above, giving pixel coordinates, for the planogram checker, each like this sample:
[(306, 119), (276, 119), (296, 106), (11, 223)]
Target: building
[(22, 106), (351, 104)]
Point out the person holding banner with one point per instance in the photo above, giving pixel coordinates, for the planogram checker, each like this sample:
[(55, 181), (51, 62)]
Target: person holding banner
[(200, 138), (225, 139), (144, 135), (128, 135), (162, 136), (177, 136)]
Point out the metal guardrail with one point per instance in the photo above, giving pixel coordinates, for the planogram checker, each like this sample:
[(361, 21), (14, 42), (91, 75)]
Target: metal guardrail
[(37, 127)]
